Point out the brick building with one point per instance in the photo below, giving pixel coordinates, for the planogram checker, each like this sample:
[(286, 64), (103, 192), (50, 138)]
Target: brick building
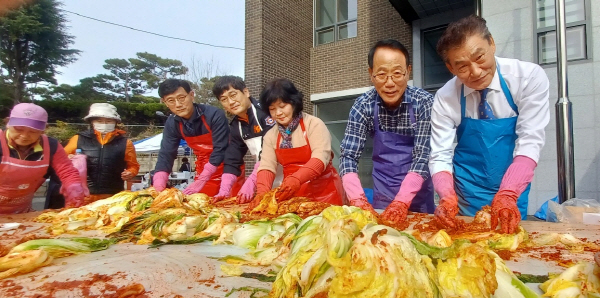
[(322, 46)]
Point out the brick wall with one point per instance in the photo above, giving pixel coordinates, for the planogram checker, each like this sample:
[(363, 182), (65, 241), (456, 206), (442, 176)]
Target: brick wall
[(343, 64), (278, 43)]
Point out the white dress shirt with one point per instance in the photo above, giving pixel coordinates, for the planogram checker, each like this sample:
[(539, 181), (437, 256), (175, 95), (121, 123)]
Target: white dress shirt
[(528, 84)]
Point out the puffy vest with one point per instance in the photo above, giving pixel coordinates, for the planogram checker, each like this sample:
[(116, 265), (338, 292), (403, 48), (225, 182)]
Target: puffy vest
[(104, 163)]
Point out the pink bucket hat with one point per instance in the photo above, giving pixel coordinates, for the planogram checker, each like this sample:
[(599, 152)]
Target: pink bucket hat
[(29, 115)]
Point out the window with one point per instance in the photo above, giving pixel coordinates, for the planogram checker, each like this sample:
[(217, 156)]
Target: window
[(435, 72), (576, 20), (335, 115), (335, 20)]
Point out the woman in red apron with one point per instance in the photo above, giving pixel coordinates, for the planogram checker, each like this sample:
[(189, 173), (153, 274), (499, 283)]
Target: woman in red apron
[(26, 156), (301, 144)]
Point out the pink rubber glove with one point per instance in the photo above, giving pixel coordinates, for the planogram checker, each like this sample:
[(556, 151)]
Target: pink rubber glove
[(518, 175), (246, 193), (446, 212), (352, 187), (355, 193), (227, 181), (159, 181), (504, 206), (397, 211), (74, 195), (197, 185)]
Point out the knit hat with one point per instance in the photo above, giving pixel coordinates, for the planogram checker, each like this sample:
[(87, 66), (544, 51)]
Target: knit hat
[(29, 115), (103, 110)]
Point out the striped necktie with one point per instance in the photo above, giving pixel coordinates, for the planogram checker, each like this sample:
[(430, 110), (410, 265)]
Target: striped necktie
[(485, 110)]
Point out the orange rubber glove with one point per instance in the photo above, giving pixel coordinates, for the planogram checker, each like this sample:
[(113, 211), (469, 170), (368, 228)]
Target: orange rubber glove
[(446, 211), (291, 184)]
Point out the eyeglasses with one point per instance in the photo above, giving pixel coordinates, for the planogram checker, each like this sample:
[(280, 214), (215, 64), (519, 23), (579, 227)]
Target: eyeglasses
[(225, 98), (397, 76), (179, 99)]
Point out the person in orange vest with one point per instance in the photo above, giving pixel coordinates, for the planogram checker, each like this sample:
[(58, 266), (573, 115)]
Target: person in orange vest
[(301, 143), (111, 157), (27, 156)]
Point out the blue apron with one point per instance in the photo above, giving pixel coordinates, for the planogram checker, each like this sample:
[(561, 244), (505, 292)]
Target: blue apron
[(483, 154), (392, 157)]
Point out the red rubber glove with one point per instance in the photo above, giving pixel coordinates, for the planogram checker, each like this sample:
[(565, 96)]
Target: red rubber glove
[(247, 191), (505, 210), (446, 211), (264, 181), (74, 195), (290, 185), (201, 180), (227, 181), (159, 181), (395, 212)]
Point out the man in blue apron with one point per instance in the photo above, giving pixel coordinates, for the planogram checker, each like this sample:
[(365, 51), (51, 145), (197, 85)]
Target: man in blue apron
[(248, 126), (397, 116), (497, 108)]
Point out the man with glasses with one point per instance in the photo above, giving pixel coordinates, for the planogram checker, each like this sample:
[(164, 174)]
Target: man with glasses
[(206, 132), (249, 125), (497, 109), (397, 116)]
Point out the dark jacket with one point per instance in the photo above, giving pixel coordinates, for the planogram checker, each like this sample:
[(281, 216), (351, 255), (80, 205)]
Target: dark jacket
[(234, 156), (215, 119), (105, 163)]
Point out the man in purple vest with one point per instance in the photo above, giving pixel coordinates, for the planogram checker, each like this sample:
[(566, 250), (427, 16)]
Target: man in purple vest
[(397, 116)]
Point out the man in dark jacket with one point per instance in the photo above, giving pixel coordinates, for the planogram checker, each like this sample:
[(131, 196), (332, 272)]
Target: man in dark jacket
[(248, 126), (206, 132)]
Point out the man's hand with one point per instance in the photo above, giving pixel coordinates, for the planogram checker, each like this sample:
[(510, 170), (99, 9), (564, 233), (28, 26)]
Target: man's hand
[(127, 175), (505, 211), (446, 211), (362, 203), (396, 212), (159, 181), (288, 188)]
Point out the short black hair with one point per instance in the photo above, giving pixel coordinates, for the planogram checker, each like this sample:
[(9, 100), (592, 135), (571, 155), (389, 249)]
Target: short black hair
[(457, 33), (282, 89), (390, 44), (169, 86), (223, 84), (185, 159)]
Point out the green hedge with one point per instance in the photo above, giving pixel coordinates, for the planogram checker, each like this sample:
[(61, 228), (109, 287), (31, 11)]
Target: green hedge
[(131, 113)]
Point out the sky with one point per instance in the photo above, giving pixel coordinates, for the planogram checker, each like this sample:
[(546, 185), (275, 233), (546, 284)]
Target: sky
[(218, 22)]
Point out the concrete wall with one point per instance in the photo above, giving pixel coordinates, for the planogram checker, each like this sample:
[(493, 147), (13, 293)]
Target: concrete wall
[(512, 24)]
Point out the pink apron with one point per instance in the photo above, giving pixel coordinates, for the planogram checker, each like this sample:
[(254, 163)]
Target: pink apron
[(19, 179)]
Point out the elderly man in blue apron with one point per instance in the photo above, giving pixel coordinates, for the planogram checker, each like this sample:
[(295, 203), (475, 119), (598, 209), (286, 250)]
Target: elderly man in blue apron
[(248, 126), (497, 108), (397, 116)]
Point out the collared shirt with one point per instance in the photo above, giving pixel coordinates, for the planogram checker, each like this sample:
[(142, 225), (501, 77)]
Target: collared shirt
[(215, 119), (237, 149), (360, 123), (528, 85), (15, 153)]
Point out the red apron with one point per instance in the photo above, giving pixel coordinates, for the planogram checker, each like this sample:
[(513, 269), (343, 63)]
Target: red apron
[(202, 147), (20, 178), (325, 188)]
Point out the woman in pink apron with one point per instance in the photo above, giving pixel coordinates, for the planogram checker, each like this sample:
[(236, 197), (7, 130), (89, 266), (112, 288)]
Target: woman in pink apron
[(301, 143), (26, 157)]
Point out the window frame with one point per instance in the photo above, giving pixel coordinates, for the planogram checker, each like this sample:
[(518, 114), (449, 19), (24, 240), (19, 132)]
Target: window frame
[(335, 26), (586, 24), (432, 88)]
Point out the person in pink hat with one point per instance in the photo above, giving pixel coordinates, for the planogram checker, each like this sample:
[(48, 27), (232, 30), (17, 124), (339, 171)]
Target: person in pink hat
[(27, 156)]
